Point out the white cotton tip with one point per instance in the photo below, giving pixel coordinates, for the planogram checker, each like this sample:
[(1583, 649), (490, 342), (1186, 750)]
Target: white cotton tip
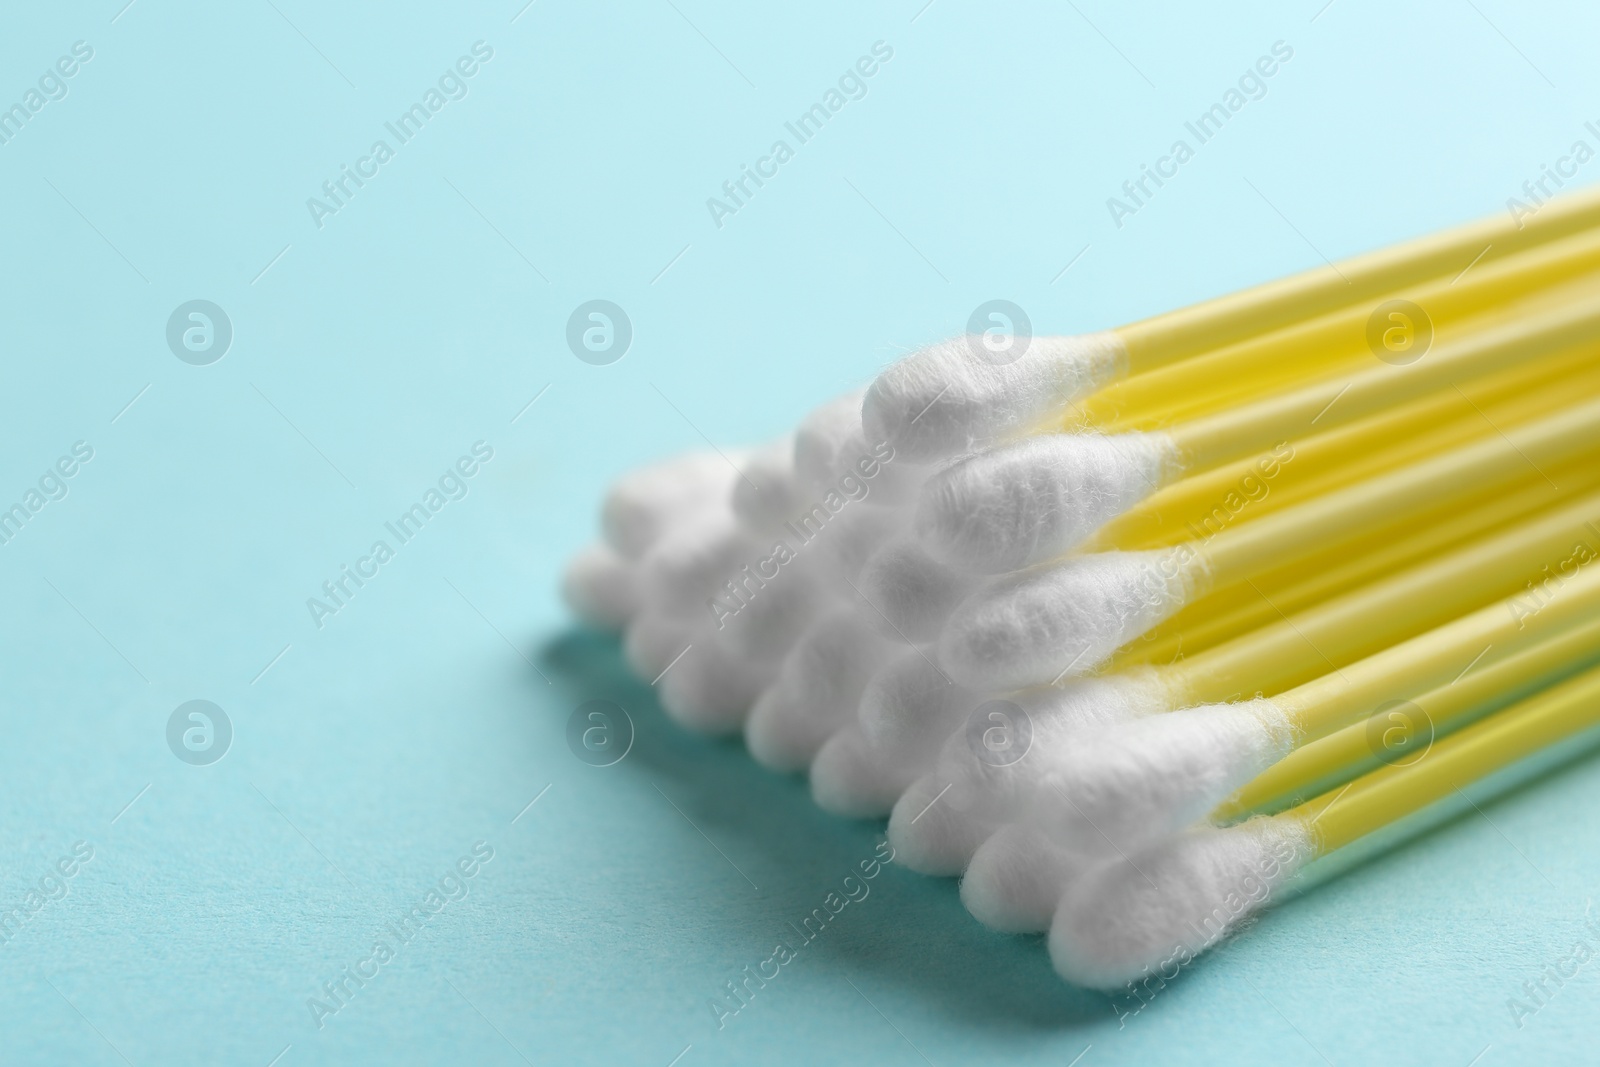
[(853, 778), (654, 638), (872, 472), (956, 397), (710, 689), (821, 442), (601, 587), (1001, 762), (931, 837), (1122, 787), (1016, 879), (816, 691), (909, 706), (909, 592), (852, 540), (682, 569), (1152, 913), (644, 503), (766, 493), (763, 618), (1037, 626), (1038, 498)]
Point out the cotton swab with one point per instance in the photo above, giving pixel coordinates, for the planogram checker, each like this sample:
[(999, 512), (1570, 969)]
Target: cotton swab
[(1165, 905), (767, 490), (820, 446), (1149, 778), (855, 778), (644, 503), (600, 587), (903, 706), (710, 689), (932, 837), (816, 691), (975, 793), (916, 593), (602, 583), (1330, 761), (946, 400), (1017, 876), (1031, 628), (1038, 498), (1289, 652), (1016, 879), (1014, 520)]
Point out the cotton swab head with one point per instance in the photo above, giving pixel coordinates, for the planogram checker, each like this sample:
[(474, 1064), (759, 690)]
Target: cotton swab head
[(852, 777), (821, 444), (763, 618), (766, 491), (601, 587), (1000, 760), (644, 503), (710, 689), (911, 593), (909, 703), (1038, 498), (930, 836), (1016, 880), (1035, 627), (957, 396), (1161, 907), (850, 541), (685, 565), (816, 691), (655, 637), (605, 583), (1122, 787)]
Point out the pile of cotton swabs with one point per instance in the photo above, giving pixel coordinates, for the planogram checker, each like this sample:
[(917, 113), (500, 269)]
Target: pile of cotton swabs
[(1127, 628)]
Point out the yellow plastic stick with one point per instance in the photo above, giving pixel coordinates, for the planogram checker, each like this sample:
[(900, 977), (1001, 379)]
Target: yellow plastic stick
[(1390, 793), (1266, 598), (1356, 624), (1239, 430), (1414, 666), (1266, 363), (1395, 497), (1247, 489), (1187, 331), (1402, 733)]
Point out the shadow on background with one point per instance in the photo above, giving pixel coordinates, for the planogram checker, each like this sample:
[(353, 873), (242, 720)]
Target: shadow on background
[(916, 934)]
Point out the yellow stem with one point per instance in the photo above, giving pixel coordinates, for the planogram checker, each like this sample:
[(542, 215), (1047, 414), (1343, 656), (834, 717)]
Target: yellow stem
[(1386, 795), (1358, 623), (1245, 606), (1267, 363), (1414, 666), (1291, 471), (1393, 498), (1176, 334), (1403, 733), (1236, 431)]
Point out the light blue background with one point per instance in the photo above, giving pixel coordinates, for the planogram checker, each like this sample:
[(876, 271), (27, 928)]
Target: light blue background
[(375, 350)]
